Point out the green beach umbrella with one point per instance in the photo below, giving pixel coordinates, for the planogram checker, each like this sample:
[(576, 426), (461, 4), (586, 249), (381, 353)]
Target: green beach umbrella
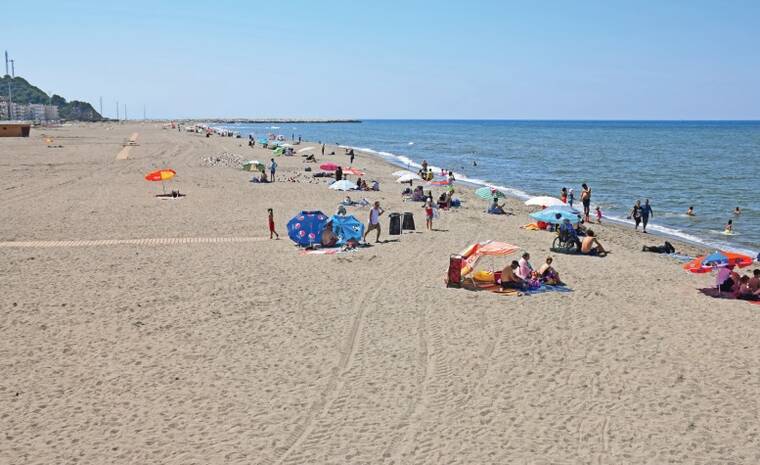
[(488, 193), (278, 151), (253, 165)]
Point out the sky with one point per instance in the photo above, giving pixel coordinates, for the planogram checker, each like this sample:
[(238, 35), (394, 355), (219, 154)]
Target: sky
[(395, 59)]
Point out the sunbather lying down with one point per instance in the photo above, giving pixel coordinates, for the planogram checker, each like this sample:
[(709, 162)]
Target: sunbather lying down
[(667, 248)]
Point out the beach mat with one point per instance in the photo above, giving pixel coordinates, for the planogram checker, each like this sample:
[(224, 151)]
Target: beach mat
[(549, 288)]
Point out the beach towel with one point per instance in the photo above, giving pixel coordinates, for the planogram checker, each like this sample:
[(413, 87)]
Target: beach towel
[(548, 288), (530, 227), (330, 251)]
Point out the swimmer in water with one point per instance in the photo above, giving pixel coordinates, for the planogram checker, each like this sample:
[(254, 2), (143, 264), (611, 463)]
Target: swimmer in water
[(729, 228), (737, 211), (690, 212)]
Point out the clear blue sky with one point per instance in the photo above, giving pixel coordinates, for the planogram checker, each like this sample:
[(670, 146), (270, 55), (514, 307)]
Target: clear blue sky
[(386, 59)]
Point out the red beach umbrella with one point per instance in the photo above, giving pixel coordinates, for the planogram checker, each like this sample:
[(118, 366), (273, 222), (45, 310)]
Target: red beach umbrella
[(328, 167)]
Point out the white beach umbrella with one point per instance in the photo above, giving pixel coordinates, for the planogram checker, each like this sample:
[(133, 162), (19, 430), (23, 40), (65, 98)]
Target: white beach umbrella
[(544, 201), (344, 185), (408, 177), (305, 149), (401, 173)]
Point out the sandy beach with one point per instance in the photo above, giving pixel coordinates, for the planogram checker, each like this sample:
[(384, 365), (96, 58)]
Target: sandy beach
[(138, 330)]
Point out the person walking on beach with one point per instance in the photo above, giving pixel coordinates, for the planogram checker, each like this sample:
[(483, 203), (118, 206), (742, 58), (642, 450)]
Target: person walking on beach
[(586, 200), (599, 215), (323, 150), (272, 232), (374, 221), (429, 214), (350, 157), (646, 212), (272, 169), (636, 214)]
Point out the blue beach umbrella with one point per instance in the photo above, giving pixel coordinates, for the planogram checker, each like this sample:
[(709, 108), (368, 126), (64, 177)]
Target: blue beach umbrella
[(306, 227), (347, 228), (549, 215)]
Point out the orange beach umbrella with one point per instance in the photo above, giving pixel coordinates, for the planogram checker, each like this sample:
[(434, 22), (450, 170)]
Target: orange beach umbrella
[(160, 175), (719, 258)]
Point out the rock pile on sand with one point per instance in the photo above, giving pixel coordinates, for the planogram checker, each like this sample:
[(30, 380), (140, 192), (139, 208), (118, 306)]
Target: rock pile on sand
[(225, 160)]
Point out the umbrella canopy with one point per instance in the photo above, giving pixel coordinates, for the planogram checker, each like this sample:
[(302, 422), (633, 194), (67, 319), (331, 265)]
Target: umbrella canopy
[(347, 228), (354, 171), (306, 227), (544, 201), (263, 141), (717, 259), (305, 149), (401, 173), (408, 177), (160, 175), (488, 193), (253, 165), (344, 185), (278, 151), (549, 215), (328, 167)]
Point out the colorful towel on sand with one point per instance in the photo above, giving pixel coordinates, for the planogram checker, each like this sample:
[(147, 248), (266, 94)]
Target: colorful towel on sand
[(548, 288), (530, 227), (331, 251)]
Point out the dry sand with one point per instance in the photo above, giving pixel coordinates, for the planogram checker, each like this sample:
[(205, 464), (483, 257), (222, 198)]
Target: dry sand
[(192, 349)]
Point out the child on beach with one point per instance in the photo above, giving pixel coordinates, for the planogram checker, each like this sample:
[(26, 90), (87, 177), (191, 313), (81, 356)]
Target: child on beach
[(598, 215), (271, 224), (429, 214)]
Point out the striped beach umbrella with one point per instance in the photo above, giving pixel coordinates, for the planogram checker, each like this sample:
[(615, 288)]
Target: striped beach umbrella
[(488, 193)]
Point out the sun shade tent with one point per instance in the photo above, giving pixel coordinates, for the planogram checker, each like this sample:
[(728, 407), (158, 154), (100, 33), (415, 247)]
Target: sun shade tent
[(347, 228), (717, 259), (473, 253), (344, 185), (549, 215), (544, 201), (306, 228)]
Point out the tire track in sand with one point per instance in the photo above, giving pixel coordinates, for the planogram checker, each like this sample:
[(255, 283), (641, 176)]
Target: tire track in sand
[(316, 427)]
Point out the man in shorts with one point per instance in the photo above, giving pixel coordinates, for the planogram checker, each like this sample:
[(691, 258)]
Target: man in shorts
[(374, 221), (591, 246)]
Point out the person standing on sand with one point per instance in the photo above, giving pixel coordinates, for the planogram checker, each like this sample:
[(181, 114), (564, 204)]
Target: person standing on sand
[(351, 157), (599, 215), (323, 150), (272, 169), (646, 212), (570, 198), (429, 214), (374, 221), (270, 213), (636, 214), (586, 200), (563, 195)]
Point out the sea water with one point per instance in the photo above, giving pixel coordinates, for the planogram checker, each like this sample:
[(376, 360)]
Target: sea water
[(713, 166)]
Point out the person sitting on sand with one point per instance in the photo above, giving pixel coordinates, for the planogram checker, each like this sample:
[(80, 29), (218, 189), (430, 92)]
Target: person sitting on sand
[(723, 280), (690, 211), (526, 269), (375, 186), (341, 211), (744, 291), (347, 201), (509, 278), (496, 208), (591, 246), (754, 282), (548, 274), (311, 159)]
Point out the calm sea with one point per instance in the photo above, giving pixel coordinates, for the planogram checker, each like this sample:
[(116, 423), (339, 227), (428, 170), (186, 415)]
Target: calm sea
[(713, 166)]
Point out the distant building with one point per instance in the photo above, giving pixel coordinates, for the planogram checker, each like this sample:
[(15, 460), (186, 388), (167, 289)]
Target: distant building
[(36, 112)]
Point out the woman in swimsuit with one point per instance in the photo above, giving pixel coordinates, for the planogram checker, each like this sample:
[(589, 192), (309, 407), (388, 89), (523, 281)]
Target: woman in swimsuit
[(636, 214), (586, 200)]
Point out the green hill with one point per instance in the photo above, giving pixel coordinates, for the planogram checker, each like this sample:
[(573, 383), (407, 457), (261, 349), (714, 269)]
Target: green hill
[(26, 93)]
